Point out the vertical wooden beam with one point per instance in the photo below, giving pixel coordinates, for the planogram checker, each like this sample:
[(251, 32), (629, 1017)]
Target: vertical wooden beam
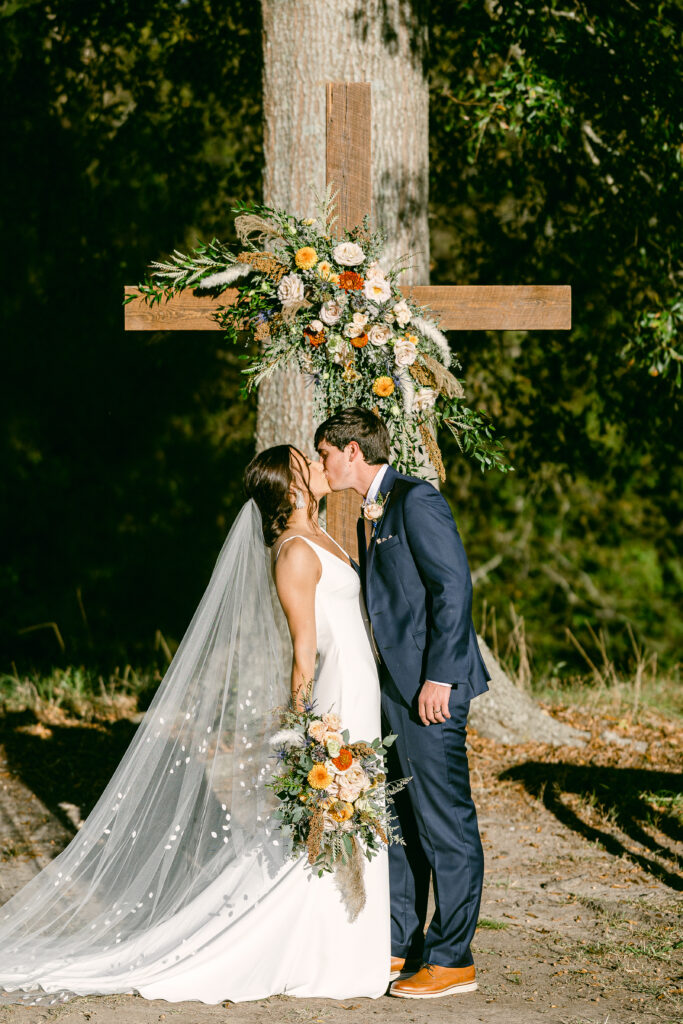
[(349, 150), (349, 171)]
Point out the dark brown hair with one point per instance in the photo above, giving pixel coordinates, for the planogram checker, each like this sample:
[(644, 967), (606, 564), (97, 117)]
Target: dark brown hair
[(359, 425), (268, 479)]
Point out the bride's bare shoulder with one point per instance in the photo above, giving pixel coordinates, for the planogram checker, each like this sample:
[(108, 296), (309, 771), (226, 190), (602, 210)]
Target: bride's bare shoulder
[(293, 552)]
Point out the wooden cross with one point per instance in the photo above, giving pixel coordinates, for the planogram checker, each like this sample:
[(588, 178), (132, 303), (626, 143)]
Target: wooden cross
[(459, 307)]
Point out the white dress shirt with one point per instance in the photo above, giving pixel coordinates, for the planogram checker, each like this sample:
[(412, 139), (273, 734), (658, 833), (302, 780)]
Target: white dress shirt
[(373, 491)]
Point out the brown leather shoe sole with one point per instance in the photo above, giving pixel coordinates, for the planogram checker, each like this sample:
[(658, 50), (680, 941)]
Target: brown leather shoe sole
[(463, 986)]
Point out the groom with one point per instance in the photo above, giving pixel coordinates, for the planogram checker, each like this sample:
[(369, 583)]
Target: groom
[(418, 592)]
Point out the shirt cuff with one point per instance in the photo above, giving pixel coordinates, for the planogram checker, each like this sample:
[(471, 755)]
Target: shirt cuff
[(436, 683)]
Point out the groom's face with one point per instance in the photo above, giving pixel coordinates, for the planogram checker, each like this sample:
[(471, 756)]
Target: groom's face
[(336, 465)]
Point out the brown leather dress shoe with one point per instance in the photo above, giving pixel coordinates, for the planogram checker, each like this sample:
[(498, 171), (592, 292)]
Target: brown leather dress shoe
[(397, 965), (401, 967), (432, 981)]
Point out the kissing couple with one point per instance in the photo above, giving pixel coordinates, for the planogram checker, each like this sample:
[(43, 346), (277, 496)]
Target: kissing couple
[(178, 885)]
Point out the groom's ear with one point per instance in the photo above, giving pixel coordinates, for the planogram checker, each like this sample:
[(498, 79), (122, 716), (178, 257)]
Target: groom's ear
[(354, 452)]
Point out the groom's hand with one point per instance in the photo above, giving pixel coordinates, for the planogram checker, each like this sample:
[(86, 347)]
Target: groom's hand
[(432, 705)]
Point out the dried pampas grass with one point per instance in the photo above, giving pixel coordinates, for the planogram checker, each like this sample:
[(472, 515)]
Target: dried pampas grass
[(429, 330), (431, 374), (349, 879), (224, 277), (254, 230)]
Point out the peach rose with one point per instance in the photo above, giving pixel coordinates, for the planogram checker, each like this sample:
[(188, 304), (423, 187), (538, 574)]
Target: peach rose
[(424, 399), (331, 311), (317, 730), (374, 272), (405, 353), (402, 313), (332, 721), (379, 334)]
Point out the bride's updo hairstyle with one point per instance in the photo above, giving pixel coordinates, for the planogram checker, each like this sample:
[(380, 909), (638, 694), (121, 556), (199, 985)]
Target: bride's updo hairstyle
[(268, 479)]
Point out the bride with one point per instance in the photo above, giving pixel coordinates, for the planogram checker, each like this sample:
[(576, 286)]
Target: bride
[(178, 885)]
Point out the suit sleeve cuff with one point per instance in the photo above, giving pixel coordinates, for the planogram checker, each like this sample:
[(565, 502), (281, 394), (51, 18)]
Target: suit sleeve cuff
[(437, 683)]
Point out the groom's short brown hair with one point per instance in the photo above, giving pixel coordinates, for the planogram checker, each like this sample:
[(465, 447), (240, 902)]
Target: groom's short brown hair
[(359, 425)]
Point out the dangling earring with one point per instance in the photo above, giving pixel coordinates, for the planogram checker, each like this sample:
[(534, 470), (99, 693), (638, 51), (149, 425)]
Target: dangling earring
[(299, 500)]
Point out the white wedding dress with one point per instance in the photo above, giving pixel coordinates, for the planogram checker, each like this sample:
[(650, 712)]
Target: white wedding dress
[(264, 925)]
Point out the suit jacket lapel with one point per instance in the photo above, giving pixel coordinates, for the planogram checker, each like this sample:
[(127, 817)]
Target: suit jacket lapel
[(387, 484), (362, 549)]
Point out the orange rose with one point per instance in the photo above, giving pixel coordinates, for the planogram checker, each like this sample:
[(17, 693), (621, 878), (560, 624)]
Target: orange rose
[(383, 387), (359, 342)]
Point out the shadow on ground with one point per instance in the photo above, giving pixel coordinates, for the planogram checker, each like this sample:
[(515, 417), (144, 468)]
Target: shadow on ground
[(64, 764), (619, 796)]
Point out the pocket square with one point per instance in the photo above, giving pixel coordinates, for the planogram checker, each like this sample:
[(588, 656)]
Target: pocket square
[(381, 539)]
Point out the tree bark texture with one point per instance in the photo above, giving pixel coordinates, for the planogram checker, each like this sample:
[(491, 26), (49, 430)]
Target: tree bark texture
[(307, 43)]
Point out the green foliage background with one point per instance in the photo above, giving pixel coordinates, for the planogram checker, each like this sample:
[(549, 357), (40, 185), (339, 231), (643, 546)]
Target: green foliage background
[(132, 128)]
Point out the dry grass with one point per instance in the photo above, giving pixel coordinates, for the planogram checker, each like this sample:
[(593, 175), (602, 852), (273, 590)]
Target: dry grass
[(75, 693), (605, 687)]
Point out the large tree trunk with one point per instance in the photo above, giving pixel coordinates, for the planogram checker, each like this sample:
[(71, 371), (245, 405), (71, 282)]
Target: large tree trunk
[(307, 43)]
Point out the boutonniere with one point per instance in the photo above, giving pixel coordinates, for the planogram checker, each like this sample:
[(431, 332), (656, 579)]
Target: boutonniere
[(374, 510)]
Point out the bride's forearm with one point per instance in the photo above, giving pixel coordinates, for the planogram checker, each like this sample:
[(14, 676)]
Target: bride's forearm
[(303, 671)]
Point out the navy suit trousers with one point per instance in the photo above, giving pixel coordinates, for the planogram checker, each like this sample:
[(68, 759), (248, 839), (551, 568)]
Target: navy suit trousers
[(438, 822)]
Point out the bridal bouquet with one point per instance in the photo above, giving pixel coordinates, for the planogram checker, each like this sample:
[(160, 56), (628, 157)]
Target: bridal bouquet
[(327, 303), (333, 795)]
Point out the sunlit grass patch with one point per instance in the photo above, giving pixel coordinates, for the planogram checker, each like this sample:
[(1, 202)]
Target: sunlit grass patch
[(76, 692)]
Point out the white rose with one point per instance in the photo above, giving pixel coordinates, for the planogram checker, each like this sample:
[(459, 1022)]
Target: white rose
[(360, 319), (290, 290), (363, 804), (354, 330), (377, 290), (379, 334), (348, 254), (402, 313), (316, 326), (373, 511), (374, 272), (330, 312), (424, 399), (405, 353)]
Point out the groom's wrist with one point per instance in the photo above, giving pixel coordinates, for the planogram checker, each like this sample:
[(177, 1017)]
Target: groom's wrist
[(437, 683)]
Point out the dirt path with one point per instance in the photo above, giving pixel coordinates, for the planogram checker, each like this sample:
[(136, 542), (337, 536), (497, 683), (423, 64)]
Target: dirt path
[(579, 916)]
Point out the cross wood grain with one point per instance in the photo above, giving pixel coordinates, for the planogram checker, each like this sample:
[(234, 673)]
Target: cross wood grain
[(530, 307)]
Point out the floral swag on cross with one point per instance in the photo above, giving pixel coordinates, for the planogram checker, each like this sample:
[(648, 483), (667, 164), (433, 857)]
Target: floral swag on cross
[(320, 300)]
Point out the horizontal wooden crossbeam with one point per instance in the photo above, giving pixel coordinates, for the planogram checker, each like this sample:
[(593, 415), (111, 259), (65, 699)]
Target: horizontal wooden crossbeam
[(459, 308)]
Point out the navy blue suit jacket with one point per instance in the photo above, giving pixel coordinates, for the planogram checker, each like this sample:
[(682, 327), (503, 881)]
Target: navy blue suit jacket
[(418, 591)]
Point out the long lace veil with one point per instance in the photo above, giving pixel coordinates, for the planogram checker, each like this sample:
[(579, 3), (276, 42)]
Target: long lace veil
[(186, 806)]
